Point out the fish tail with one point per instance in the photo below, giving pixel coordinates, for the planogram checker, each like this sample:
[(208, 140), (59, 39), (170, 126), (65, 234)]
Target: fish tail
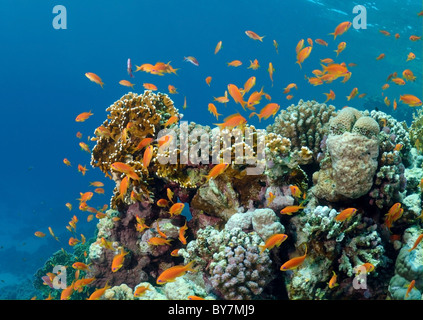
[(299, 64), (189, 266), (254, 113)]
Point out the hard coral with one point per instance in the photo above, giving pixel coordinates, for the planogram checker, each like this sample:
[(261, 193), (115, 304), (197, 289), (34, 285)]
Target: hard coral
[(305, 124), (233, 264)]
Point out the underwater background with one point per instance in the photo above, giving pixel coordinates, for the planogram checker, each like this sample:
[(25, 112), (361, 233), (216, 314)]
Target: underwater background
[(44, 88)]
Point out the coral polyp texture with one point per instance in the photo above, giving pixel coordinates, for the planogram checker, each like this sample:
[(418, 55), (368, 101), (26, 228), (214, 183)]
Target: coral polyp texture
[(342, 188)]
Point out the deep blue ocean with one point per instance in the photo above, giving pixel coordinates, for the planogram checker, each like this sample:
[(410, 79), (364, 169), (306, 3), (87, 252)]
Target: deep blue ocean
[(44, 88)]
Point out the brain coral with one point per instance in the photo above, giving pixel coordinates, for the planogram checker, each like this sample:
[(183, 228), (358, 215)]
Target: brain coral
[(305, 124)]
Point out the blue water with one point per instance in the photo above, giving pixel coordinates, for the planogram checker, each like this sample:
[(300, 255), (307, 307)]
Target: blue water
[(44, 88)]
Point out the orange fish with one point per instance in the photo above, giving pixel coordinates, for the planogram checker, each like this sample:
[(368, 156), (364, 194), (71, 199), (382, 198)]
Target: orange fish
[(408, 75), (97, 184), (212, 109), (123, 188), (384, 32), (398, 81), (254, 65), (387, 101), (254, 99), (232, 121), (79, 135), (236, 95), (143, 143), (332, 282), (271, 70), (148, 154), (234, 63), (118, 260), (165, 141), (172, 273), (182, 233), (272, 241), (299, 47), (414, 38), (303, 54), (208, 80), (269, 110), (80, 266), (69, 206), (385, 86), (289, 97), (84, 147), (162, 203), (218, 47), (321, 42), (411, 56), (224, 99), (94, 78), (73, 241), (191, 59), (271, 198), (330, 95), (83, 116), (99, 190), (140, 290), (295, 191), (294, 262), (67, 292), (327, 61), (82, 169), (289, 210), (216, 171), (176, 209), (156, 241), (353, 93), (397, 35), (341, 47), (40, 234), (411, 100), (410, 287), (160, 232), (172, 89), (171, 120), (67, 162), (195, 298), (315, 81), (149, 86), (169, 194), (288, 88), (126, 83), (416, 243), (254, 35), (248, 85), (341, 29), (381, 56), (345, 214), (52, 233), (175, 253), (99, 292), (276, 45), (362, 95), (86, 196), (394, 104)]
